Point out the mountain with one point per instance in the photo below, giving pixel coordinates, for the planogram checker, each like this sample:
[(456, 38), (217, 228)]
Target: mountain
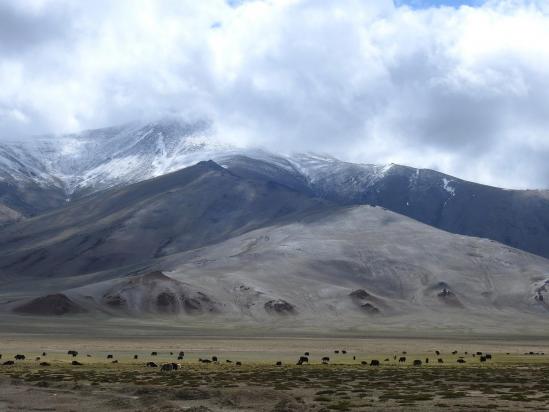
[(24, 190), (42, 174), (184, 210), (356, 268), (363, 266), (254, 239), (99, 159), (518, 218)]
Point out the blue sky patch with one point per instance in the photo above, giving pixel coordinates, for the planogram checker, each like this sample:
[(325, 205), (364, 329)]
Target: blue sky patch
[(423, 4)]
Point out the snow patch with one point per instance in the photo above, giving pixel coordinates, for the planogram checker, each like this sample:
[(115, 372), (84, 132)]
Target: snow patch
[(446, 185)]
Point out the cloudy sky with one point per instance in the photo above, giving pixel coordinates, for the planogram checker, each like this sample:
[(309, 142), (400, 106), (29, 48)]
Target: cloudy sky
[(459, 86)]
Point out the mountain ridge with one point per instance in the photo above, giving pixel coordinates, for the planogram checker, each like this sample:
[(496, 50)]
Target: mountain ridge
[(146, 150), (182, 210)]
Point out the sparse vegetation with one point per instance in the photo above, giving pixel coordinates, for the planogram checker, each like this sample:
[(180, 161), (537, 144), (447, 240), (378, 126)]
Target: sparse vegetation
[(512, 381)]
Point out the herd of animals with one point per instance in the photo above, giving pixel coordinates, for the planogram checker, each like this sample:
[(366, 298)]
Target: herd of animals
[(303, 359)]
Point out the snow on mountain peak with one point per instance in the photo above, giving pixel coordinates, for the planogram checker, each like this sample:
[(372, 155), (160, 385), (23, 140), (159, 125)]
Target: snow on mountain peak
[(102, 158)]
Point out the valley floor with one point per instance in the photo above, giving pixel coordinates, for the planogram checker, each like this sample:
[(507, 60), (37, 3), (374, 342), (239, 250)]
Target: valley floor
[(517, 377)]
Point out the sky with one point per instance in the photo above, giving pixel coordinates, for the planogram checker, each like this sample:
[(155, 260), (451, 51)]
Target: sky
[(457, 86), (437, 3)]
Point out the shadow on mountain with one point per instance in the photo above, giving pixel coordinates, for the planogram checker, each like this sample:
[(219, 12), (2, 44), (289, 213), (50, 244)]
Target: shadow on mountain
[(188, 209)]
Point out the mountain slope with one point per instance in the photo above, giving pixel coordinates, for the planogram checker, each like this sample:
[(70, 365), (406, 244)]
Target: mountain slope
[(353, 269), (388, 255), (19, 201), (360, 266), (183, 210), (519, 218)]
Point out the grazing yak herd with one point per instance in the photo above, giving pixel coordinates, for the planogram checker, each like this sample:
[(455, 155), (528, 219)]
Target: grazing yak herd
[(402, 359), (302, 360)]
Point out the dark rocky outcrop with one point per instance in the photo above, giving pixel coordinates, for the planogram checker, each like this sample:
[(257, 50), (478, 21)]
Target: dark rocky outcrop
[(369, 308), (359, 294), (166, 302), (280, 306), (366, 301), (445, 293), (449, 298), (56, 305), (115, 300)]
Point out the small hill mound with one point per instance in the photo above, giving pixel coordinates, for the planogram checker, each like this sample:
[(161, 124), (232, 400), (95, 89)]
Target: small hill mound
[(50, 305), (154, 292)]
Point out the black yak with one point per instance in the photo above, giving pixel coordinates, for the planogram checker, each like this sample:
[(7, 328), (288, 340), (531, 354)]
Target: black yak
[(302, 360), (167, 367)]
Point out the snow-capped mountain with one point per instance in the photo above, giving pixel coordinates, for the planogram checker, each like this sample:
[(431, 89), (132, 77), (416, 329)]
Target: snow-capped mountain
[(247, 235), (43, 173), (98, 159)]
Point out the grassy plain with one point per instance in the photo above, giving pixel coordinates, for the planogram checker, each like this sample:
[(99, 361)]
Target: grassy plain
[(513, 380)]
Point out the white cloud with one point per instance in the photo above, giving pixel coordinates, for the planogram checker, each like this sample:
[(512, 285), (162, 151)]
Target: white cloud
[(462, 90)]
